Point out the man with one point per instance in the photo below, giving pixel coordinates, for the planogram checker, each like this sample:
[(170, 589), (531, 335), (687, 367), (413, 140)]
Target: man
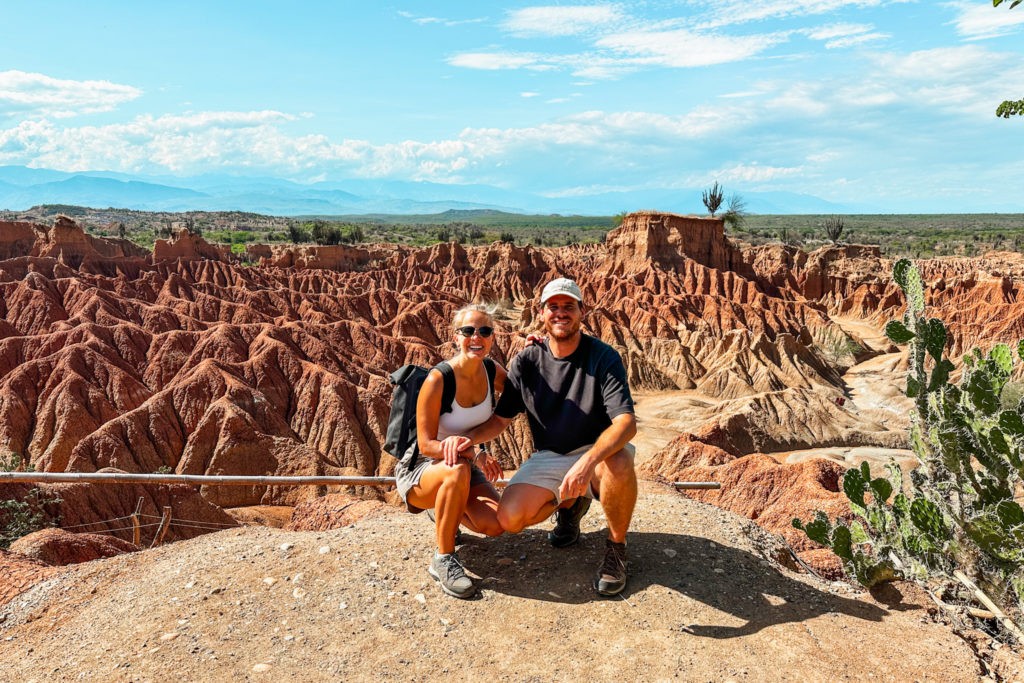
[(573, 388)]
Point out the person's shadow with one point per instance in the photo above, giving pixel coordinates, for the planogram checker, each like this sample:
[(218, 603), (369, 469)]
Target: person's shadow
[(734, 581)]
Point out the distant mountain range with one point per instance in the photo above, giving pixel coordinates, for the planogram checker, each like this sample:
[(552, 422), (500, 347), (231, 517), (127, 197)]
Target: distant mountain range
[(22, 187)]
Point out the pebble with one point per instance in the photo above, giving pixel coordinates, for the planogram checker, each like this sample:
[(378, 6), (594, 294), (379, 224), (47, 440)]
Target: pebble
[(283, 546), (324, 549), (505, 561), (261, 668), (269, 580), (168, 636), (343, 605), (298, 593), (669, 552), (421, 598)]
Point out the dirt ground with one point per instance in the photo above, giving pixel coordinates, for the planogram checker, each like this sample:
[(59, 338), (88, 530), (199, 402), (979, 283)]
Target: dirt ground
[(706, 602)]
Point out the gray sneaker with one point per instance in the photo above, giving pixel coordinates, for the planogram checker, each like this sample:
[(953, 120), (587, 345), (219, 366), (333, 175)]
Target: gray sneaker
[(448, 571)]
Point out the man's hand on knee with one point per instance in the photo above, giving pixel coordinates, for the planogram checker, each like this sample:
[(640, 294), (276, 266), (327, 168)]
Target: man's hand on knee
[(576, 482)]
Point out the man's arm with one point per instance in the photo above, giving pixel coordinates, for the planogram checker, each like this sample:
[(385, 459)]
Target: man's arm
[(612, 440), (486, 431)]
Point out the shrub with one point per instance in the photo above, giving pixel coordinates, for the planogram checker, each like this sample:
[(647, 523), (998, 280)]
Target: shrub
[(735, 215), (959, 520), (21, 517)]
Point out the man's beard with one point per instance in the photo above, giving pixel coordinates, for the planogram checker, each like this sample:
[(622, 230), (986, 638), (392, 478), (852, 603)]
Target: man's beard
[(573, 330)]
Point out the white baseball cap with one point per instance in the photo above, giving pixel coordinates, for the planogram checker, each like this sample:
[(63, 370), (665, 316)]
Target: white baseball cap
[(562, 285)]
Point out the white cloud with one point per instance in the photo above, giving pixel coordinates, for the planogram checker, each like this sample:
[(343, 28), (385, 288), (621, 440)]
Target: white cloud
[(851, 41), (978, 21), (727, 12), (754, 173), (529, 94), (561, 20), (493, 61), (437, 20), (837, 31), (681, 48), (35, 94)]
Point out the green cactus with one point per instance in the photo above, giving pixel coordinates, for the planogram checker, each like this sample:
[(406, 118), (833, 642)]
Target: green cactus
[(959, 512)]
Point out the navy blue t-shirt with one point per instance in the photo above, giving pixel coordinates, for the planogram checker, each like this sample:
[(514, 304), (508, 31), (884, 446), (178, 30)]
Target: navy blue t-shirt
[(569, 401)]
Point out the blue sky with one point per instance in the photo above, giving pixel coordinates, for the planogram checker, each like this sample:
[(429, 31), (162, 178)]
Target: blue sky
[(867, 102)]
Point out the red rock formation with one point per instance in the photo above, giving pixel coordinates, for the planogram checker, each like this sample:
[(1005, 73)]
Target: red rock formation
[(58, 548), (334, 511), (759, 488), (188, 247), (191, 361), (18, 573)]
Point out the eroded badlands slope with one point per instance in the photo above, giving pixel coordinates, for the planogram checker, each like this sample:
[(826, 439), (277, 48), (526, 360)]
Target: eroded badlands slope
[(184, 358)]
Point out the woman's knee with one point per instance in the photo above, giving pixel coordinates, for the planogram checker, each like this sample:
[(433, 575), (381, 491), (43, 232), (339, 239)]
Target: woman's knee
[(458, 475)]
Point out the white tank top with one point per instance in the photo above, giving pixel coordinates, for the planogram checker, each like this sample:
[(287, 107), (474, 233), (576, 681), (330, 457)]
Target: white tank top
[(460, 420)]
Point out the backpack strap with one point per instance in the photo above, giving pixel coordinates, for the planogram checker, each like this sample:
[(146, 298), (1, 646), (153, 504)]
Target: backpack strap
[(448, 392), (492, 370)]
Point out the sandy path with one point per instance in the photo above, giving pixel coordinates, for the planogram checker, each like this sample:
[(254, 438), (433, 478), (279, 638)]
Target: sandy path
[(705, 602)]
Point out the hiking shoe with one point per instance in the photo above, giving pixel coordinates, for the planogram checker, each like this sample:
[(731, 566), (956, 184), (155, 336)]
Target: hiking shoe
[(448, 572), (567, 523), (458, 531), (611, 577)]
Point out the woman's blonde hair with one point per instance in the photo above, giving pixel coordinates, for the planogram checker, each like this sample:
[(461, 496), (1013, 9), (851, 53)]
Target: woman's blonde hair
[(487, 309)]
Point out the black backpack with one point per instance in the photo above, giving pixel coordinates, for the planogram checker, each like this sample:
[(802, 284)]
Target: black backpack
[(400, 440)]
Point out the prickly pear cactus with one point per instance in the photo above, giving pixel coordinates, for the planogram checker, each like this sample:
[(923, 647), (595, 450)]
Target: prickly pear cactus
[(959, 512)]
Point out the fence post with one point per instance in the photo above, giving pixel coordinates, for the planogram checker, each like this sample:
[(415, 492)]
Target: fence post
[(136, 529), (165, 524)]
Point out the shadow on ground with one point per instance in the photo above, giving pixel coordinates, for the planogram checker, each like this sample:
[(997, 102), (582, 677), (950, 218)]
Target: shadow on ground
[(733, 581)]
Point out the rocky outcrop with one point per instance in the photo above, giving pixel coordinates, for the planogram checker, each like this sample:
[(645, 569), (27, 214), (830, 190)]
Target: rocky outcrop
[(667, 242), (334, 511), (187, 246), (759, 488), (58, 548), (18, 573), (191, 360)]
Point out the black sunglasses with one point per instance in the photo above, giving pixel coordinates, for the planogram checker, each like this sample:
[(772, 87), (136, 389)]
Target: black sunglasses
[(469, 331)]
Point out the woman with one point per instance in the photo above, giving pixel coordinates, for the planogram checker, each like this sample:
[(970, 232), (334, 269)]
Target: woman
[(456, 485)]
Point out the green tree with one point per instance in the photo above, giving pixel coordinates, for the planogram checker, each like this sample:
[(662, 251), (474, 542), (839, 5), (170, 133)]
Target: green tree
[(1009, 108)]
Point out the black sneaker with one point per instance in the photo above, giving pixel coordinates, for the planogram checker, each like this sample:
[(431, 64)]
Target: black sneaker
[(611, 577), (567, 523), (448, 571), (458, 531)]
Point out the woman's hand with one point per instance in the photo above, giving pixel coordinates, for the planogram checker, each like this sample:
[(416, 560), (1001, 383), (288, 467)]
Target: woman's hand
[(488, 464), (452, 448)]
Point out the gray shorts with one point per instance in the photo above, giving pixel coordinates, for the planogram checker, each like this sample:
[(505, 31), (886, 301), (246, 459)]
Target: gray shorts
[(547, 469), (405, 478)]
